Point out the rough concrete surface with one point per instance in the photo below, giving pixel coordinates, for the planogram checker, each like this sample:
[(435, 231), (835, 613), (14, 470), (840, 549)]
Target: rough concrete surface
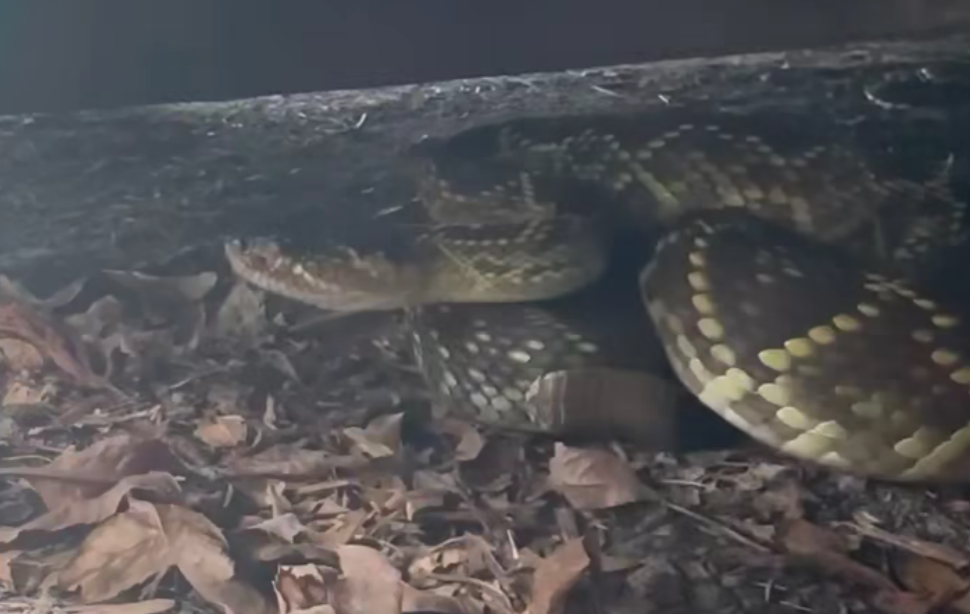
[(123, 187)]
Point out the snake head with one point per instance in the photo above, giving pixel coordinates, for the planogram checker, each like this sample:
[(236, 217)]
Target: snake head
[(341, 280)]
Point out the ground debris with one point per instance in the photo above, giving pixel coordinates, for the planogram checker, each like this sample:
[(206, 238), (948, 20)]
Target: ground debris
[(555, 575), (595, 479), (248, 466)]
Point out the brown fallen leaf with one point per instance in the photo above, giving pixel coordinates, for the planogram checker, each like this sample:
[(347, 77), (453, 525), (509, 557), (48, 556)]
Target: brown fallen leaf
[(286, 526), (103, 326), (242, 314), (56, 342), (470, 441), (919, 547), (495, 465), (595, 479), (901, 602), (343, 530), (317, 609), (148, 539), (303, 588), (101, 318), (414, 600), (20, 355), (202, 558), (176, 299), (12, 289), (223, 432), (939, 584), (827, 550), (294, 463), (90, 511), (125, 550), (443, 558), (6, 575), (382, 437), (98, 467), (556, 575), (150, 606), (368, 583), (19, 393), (785, 500), (157, 290)]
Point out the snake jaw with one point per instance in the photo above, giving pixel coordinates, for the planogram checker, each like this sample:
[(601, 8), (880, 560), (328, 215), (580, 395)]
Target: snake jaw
[(348, 282)]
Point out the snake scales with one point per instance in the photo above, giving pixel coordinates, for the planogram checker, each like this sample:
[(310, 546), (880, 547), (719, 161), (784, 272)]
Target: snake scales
[(784, 279)]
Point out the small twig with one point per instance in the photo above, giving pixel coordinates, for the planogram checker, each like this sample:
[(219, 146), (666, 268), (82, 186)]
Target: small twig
[(937, 552), (320, 470), (56, 474), (719, 526)]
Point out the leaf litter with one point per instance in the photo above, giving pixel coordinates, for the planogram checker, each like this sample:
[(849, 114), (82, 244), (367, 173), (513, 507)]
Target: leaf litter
[(178, 439)]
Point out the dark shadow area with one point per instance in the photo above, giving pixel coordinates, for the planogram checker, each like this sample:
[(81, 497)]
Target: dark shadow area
[(57, 56)]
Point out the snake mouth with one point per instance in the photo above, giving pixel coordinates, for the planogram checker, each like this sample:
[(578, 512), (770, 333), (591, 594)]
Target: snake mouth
[(344, 281)]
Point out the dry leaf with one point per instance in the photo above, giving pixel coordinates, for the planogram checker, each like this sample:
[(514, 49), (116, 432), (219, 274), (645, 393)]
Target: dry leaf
[(938, 583), (102, 317), (285, 461), (303, 588), (56, 342), (450, 557), (146, 541), (242, 314), (202, 558), (151, 606), (286, 527), (382, 437), (19, 393), (105, 461), (91, 511), (556, 575), (465, 556), (223, 432), (414, 600), (470, 441), (155, 289), (594, 479), (125, 550), (900, 602), (826, 550), (369, 584), (102, 326), (11, 289), (784, 499), (343, 530), (177, 299), (495, 464), (20, 355), (6, 576), (920, 547), (800, 536)]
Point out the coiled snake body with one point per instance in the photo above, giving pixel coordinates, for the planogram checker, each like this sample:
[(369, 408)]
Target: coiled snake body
[(780, 272)]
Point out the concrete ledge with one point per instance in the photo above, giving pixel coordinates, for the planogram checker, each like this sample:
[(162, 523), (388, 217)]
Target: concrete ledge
[(57, 56), (112, 188)]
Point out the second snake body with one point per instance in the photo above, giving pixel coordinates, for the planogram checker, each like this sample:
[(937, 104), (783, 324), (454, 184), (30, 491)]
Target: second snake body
[(780, 275)]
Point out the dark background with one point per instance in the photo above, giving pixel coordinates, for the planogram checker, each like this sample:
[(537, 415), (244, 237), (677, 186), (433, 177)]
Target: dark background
[(64, 54)]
